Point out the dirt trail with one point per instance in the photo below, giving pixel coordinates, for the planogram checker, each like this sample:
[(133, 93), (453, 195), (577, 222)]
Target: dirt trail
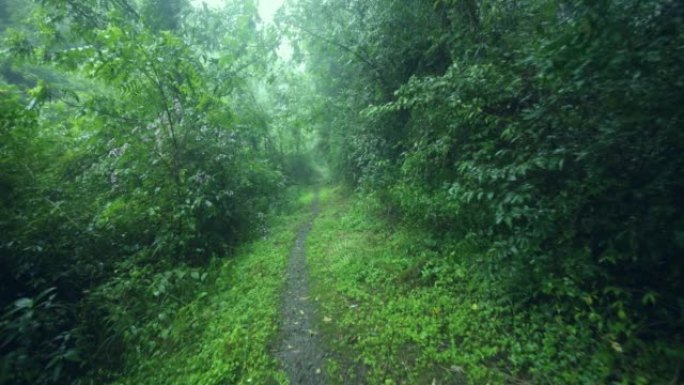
[(300, 351)]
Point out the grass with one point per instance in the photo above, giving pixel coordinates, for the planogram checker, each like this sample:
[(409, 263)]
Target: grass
[(390, 311), (394, 308), (225, 335), (398, 307)]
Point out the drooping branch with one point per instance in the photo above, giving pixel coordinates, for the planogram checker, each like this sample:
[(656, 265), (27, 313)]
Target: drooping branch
[(373, 66)]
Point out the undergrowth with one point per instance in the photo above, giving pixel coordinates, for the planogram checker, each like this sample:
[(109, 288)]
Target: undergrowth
[(225, 335), (378, 314), (403, 309)]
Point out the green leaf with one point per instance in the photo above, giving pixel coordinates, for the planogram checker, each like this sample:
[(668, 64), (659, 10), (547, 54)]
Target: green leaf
[(23, 303)]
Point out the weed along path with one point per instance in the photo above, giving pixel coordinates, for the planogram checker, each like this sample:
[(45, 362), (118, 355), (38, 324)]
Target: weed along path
[(300, 351)]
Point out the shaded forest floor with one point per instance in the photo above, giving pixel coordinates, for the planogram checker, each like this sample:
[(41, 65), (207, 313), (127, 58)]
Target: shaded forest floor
[(359, 302), (228, 333), (385, 317)]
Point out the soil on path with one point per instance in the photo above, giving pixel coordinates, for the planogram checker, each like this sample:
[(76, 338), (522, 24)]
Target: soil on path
[(300, 351)]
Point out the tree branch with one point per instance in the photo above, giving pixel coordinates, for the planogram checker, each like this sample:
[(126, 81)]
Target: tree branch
[(378, 74)]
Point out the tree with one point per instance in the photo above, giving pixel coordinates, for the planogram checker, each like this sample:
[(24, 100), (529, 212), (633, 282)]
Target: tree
[(133, 160), (545, 133)]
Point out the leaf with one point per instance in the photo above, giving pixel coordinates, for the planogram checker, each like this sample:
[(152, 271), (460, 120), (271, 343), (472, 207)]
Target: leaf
[(72, 355), (165, 333), (23, 303), (649, 298), (616, 346), (32, 104)]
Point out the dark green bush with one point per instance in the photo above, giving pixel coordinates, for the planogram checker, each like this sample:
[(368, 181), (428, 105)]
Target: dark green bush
[(132, 165), (549, 134)]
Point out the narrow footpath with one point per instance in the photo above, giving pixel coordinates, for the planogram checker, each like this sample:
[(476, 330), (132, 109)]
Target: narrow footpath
[(301, 353)]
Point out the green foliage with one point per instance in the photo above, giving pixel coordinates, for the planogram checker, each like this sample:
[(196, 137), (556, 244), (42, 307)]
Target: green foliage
[(208, 329), (546, 134), (133, 156), (392, 310), (31, 333), (301, 169), (163, 15), (397, 306), (533, 146)]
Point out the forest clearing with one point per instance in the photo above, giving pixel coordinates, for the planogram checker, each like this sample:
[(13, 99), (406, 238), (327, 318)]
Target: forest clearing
[(341, 192)]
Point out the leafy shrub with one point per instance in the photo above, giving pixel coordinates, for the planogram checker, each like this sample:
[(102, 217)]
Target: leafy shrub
[(36, 341), (545, 133), (300, 169), (134, 162)]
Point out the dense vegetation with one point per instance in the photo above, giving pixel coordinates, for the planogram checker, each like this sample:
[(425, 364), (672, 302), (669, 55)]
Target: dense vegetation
[(135, 149), (544, 135), (518, 163)]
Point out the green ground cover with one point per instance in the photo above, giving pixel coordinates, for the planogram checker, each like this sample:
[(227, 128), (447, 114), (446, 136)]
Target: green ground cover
[(226, 334), (390, 310), (398, 308)]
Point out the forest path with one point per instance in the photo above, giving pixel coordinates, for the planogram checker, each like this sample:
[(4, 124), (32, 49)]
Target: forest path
[(300, 351)]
